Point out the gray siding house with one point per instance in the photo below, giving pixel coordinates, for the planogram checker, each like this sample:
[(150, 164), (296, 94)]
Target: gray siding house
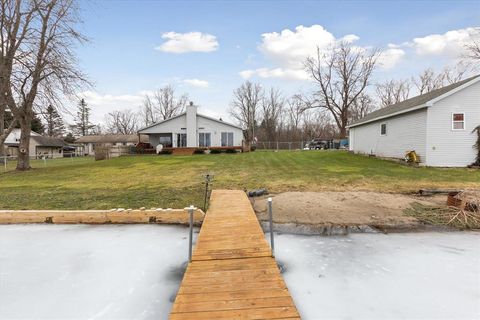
[(39, 147), (438, 125)]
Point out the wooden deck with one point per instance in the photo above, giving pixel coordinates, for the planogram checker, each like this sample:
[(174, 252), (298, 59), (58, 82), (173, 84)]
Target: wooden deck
[(232, 274)]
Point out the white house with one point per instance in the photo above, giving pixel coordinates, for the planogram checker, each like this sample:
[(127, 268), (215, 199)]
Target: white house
[(192, 130), (438, 125)]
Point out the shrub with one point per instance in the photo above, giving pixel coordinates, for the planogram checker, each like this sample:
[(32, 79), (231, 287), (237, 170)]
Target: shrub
[(215, 151), (231, 151), (165, 152), (199, 151), (253, 148)]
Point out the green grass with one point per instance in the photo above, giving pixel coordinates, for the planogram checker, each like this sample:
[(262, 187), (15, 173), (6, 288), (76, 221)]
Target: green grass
[(176, 181)]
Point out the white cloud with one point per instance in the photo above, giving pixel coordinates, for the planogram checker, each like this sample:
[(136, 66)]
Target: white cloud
[(390, 57), (451, 43), (288, 50), (287, 74), (188, 42), (197, 83), (350, 38)]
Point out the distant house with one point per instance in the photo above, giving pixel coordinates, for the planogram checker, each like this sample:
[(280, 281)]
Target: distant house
[(109, 140), (39, 147), (191, 130), (438, 125)]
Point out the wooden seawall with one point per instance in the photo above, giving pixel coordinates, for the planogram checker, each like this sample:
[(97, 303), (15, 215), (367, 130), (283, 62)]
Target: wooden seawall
[(160, 216), (232, 274)]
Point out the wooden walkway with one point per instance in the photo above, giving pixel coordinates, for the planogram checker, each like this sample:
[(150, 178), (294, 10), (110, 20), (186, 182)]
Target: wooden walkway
[(232, 274)]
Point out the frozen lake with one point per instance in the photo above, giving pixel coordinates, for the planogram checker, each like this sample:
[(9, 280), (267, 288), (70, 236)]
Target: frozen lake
[(132, 272)]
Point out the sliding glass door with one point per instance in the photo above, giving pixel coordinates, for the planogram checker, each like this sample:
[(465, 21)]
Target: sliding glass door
[(181, 140)]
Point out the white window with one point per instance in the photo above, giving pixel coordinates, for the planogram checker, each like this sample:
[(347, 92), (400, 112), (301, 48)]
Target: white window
[(204, 139), (383, 129), (227, 139), (458, 121)]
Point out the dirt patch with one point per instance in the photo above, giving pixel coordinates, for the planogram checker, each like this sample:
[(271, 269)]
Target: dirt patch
[(344, 208)]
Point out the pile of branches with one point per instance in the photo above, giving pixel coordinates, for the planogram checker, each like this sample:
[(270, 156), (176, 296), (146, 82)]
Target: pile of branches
[(464, 217)]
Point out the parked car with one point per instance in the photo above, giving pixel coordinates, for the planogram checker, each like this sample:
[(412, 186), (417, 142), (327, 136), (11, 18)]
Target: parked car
[(317, 144)]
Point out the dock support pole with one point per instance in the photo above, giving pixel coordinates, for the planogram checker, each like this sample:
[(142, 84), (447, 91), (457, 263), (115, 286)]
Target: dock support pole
[(190, 240), (270, 214)]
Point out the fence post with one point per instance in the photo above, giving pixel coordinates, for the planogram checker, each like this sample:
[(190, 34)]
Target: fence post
[(270, 216), (44, 161), (190, 240)]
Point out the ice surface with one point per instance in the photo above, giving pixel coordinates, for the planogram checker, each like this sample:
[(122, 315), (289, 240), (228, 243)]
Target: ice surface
[(377, 276), (132, 272), (90, 272)]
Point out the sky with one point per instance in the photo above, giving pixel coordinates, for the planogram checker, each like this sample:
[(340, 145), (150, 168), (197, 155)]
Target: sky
[(208, 48)]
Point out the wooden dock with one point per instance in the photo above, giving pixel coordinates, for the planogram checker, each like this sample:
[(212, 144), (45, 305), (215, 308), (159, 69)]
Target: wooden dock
[(232, 274)]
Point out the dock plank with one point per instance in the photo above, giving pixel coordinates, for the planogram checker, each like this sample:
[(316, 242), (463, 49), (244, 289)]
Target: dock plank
[(232, 274)]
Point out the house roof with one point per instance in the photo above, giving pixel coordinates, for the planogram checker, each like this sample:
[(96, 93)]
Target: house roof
[(414, 103), (184, 113), (112, 138), (48, 141)]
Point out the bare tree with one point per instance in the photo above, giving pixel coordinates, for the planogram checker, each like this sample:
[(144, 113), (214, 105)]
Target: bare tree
[(455, 73), (163, 104), (147, 112), (362, 106), (427, 81), (316, 123), (15, 20), (38, 64), (294, 110), (392, 91), (122, 122), (473, 48), (272, 107), (341, 75), (245, 106)]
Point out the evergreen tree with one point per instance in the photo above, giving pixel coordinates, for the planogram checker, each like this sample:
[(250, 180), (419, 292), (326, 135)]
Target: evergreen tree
[(69, 138), (82, 126), (37, 125), (54, 122)]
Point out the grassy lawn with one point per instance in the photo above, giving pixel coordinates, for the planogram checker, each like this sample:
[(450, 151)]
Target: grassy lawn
[(176, 181)]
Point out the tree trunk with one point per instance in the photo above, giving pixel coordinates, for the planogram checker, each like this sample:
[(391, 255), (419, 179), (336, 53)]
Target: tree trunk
[(2, 132), (24, 144)]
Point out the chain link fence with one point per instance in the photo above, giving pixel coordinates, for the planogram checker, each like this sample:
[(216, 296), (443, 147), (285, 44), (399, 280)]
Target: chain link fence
[(9, 163), (278, 145)]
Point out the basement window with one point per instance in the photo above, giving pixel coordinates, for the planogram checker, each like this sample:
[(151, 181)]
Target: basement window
[(458, 121), (383, 129)]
